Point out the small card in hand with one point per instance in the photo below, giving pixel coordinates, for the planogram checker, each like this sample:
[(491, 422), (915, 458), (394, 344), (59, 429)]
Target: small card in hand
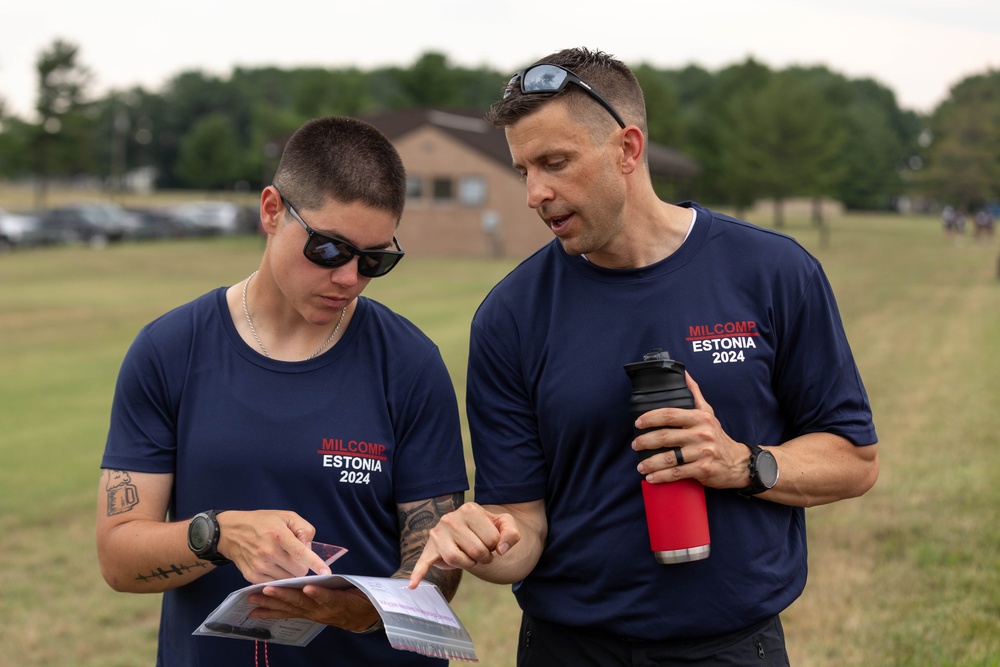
[(328, 552)]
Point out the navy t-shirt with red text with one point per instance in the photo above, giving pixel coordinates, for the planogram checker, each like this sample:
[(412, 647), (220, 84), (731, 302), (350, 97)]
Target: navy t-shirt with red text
[(752, 316), (340, 439)]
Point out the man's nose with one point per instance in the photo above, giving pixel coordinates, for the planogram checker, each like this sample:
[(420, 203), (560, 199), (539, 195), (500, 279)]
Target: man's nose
[(539, 190)]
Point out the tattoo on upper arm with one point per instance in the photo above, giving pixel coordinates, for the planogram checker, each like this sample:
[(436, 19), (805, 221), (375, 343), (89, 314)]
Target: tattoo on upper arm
[(123, 495)]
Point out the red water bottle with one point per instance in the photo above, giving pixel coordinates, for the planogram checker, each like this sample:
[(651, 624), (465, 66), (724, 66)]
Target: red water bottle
[(675, 511)]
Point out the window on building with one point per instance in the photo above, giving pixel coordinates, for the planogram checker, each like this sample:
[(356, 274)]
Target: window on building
[(472, 190), (442, 189), (414, 187)]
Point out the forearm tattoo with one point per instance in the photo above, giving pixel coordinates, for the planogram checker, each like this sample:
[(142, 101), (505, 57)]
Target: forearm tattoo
[(415, 523), (123, 496), (170, 571)]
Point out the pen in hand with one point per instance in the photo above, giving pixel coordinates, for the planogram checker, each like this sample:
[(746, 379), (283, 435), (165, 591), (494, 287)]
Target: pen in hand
[(253, 633)]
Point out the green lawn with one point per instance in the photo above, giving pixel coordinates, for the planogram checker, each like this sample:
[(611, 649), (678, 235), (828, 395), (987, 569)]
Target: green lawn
[(907, 575)]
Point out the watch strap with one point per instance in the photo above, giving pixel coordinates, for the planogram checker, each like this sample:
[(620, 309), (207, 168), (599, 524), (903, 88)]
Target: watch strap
[(756, 485)]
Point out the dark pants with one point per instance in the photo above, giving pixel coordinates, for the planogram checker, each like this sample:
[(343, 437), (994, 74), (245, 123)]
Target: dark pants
[(544, 644)]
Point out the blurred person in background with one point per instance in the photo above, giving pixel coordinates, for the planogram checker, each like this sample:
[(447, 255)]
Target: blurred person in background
[(781, 418), (283, 409)]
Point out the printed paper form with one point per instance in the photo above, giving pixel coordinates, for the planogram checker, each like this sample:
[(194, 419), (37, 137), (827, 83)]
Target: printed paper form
[(415, 620)]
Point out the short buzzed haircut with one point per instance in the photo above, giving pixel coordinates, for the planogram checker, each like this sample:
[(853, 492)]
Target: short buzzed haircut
[(345, 159), (610, 77)]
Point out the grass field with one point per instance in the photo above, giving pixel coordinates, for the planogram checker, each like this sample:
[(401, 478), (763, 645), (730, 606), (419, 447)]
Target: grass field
[(907, 575)]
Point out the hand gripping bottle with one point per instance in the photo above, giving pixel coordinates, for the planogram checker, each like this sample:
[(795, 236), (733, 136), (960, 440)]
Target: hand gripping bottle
[(675, 511)]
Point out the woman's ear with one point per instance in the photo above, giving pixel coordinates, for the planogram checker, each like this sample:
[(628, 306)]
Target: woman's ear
[(270, 207)]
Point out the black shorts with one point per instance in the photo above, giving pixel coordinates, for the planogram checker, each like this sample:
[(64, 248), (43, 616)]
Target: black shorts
[(544, 644)]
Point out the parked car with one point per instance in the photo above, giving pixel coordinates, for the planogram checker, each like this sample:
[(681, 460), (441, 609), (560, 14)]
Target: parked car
[(19, 230), (163, 223), (95, 224), (212, 217)]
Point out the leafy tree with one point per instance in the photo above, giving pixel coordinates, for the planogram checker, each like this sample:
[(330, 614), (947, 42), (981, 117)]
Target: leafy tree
[(121, 120), (63, 128), (16, 146), (478, 88), (322, 92), (880, 139), (714, 119), (964, 156), (784, 142), (190, 98), (433, 82), (210, 153), (662, 108), (755, 132), (693, 87), (62, 81), (271, 128), (429, 82), (872, 159), (134, 120), (261, 86)]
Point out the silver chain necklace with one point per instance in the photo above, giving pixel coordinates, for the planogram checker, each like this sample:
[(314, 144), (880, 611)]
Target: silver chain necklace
[(257, 338)]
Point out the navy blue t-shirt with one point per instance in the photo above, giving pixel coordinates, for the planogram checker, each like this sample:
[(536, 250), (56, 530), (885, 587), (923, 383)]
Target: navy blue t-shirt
[(339, 439), (751, 315)]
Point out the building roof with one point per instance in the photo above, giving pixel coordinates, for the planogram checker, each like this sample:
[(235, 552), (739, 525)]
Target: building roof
[(670, 163), (473, 130)]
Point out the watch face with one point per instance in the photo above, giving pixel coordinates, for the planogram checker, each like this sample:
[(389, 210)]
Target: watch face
[(199, 533), (767, 468)]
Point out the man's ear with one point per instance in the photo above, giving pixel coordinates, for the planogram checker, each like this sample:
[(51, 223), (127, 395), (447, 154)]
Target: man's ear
[(633, 144), (270, 207)]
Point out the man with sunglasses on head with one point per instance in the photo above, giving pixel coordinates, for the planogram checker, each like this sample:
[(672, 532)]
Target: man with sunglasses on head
[(285, 409), (559, 509)]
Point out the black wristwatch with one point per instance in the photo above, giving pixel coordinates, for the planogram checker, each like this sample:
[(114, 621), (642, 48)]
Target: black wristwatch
[(763, 471), (203, 537)]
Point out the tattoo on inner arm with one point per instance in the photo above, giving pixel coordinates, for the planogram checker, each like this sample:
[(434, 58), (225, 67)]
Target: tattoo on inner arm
[(415, 523), (122, 494), (170, 571)]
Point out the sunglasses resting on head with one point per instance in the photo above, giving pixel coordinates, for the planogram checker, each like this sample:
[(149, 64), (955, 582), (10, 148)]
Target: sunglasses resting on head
[(331, 252), (547, 78)]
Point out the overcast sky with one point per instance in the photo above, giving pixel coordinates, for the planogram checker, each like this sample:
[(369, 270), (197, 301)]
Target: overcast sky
[(917, 48)]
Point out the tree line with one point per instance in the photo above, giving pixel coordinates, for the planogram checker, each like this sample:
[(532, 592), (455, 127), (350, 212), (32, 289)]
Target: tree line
[(756, 131)]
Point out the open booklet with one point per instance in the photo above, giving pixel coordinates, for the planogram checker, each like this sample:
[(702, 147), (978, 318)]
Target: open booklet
[(415, 620)]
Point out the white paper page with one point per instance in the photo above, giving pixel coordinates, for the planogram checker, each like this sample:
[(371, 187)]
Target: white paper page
[(419, 620)]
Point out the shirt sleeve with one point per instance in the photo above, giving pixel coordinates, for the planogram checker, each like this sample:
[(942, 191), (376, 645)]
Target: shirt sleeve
[(142, 435), (430, 460), (815, 376), (510, 461)]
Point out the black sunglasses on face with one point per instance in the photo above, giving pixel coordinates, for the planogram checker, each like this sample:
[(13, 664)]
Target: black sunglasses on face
[(552, 79), (331, 252)]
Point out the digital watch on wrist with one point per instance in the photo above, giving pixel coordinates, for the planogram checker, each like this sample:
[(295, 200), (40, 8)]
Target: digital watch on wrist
[(763, 471), (203, 537)]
